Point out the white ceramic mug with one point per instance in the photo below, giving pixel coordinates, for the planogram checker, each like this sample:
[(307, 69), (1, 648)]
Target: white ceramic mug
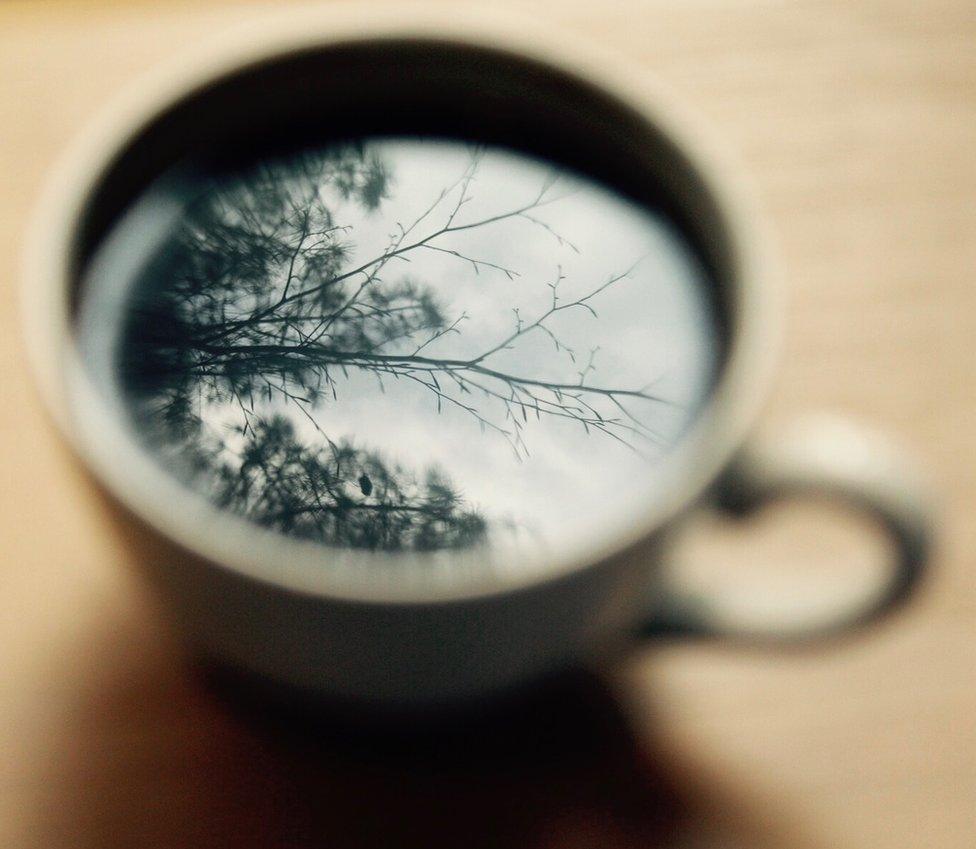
[(373, 627)]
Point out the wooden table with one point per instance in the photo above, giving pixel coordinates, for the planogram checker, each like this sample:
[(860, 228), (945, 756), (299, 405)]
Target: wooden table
[(858, 122)]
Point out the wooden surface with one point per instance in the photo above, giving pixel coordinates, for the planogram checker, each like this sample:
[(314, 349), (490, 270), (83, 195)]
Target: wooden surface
[(858, 123)]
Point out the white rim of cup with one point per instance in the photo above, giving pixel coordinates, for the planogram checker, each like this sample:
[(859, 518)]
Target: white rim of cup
[(233, 543)]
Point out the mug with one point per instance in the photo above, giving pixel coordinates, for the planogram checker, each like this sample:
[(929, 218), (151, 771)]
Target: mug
[(380, 628)]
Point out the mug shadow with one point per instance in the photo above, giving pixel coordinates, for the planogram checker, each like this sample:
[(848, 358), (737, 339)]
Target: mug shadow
[(159, 755)]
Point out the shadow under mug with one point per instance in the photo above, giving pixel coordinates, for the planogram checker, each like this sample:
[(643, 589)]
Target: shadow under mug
[(269, 606)]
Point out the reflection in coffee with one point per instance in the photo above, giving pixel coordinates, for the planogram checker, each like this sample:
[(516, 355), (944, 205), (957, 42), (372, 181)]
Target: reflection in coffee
[(405, 344)]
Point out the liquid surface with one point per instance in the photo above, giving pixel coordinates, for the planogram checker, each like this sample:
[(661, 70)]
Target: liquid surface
[(404, 345)]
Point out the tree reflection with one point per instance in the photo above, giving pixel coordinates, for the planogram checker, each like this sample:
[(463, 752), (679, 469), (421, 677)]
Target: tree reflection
[(261, 305)]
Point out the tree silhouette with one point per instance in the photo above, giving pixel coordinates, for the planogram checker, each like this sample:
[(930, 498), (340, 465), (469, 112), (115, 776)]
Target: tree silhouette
[(266, 307), (317, 492)]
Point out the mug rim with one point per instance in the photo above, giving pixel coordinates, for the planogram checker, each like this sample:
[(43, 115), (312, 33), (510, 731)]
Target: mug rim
[(233, 543)]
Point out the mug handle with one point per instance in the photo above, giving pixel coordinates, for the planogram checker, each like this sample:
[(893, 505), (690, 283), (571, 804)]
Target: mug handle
[(822, 458)]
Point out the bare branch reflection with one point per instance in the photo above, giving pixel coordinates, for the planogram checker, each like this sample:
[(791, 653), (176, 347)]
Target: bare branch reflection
[(269, 307)]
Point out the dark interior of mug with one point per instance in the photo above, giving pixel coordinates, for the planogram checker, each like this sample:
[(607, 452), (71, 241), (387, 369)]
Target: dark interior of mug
[(406, 87), (407, 296)]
